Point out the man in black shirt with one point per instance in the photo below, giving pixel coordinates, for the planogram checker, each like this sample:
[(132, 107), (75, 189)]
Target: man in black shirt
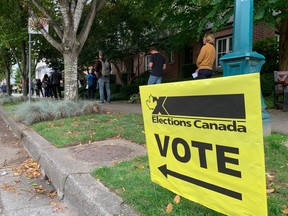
[(157, 65), (56, 77)]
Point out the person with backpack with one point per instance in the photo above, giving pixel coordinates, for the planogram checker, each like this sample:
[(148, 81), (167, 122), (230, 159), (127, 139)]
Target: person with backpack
[(103, 72)]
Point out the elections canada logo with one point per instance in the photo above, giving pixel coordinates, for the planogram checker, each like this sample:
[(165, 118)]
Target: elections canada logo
[(208, 112)]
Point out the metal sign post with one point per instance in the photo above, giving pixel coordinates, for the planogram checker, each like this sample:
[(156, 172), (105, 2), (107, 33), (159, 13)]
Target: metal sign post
[(30, 60), (32, 29)]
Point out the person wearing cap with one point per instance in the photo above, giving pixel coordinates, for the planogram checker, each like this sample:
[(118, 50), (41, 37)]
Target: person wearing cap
[(56, 77), (103, 72), (157, 64)]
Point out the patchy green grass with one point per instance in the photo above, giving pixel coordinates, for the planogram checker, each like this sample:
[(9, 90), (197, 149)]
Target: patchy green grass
[(85, 129), (131, 181)]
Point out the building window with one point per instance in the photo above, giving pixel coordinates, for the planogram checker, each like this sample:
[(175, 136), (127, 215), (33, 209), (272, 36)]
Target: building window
[(223, 46), (147, 60), (277, 36), (171, 57)]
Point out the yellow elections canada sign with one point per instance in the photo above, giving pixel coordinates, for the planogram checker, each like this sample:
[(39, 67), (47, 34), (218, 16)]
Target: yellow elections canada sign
[(205, 142)]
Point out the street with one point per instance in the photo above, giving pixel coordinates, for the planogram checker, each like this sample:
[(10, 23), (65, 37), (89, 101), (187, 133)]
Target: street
[(23, 192)]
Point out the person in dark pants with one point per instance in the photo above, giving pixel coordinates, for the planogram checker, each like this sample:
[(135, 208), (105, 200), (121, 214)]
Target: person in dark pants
[(92, 83), (56, 77)]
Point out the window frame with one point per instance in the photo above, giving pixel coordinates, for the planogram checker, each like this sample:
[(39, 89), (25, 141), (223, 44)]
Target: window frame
[(228, 49)]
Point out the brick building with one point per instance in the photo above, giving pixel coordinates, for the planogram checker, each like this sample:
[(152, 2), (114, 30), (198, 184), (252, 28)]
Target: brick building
[(180, 63)]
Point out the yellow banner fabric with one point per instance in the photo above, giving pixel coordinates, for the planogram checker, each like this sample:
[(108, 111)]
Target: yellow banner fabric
[(205, 141)]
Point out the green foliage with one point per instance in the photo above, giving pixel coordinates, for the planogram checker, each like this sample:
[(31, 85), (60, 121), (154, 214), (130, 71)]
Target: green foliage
[(115, 88), (135, 99), (6, 99), (267, 84), (44, 110), (142, 79), (129, 89), (269, 48)]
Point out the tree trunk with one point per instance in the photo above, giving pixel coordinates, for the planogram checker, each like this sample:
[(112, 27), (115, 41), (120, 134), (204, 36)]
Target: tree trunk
[(24, 70), (118, 72), (8, 83), (70, 76), (283, 45)]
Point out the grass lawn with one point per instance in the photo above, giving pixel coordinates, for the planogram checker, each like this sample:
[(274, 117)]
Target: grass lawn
[(85, 129)]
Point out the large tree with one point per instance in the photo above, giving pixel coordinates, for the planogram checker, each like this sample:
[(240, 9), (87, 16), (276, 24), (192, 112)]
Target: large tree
[(64, 17), (121, 28), (14, 37), (276, 13)]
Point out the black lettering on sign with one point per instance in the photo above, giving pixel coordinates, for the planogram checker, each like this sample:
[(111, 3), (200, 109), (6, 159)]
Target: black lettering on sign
[(222, 160), (187, 154), (159, 109), (215, 106), (224, 191), (162, 148), (202, 147)]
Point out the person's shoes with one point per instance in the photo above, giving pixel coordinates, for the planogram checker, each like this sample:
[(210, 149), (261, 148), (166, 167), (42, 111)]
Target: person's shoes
[(101, 102), (108, 102)]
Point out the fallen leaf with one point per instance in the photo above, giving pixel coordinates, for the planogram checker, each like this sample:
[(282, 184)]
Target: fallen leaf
[(269, 191), (140, 167), (33, 183), (169, 208), (177, 199), (270, 184), (270, 177), (285, 211)]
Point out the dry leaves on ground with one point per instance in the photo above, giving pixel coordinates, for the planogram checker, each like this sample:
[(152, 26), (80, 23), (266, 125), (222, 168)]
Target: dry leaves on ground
[(28, 168), (285, 210), (169, 207)]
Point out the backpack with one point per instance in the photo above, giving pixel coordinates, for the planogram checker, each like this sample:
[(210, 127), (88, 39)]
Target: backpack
[(106, 69)]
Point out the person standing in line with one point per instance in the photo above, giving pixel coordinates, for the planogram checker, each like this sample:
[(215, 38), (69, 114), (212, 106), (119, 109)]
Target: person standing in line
[(92, 82), (39, 88), (56, 77), (157, 64), (206, 57), (103, 72)]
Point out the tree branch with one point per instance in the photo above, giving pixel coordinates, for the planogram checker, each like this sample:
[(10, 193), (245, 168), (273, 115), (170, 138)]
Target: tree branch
[(96, 5), (78, 10), (54, 25)]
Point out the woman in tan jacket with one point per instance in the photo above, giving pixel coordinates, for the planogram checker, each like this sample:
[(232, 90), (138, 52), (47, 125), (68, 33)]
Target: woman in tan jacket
[(206, 58)]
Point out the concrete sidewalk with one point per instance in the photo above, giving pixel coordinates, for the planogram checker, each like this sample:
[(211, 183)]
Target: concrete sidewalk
[(69, 168)]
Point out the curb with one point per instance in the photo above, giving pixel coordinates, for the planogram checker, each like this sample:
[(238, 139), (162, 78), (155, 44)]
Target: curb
[(75, 185)]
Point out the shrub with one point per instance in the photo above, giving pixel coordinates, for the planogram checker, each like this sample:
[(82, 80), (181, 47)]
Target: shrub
[(5, 98), (269, 48), (267, 84), (135, 99), (48, 109)]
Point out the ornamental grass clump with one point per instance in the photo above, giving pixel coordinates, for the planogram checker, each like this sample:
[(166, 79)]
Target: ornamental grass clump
[(6, 99), (47, 109)]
